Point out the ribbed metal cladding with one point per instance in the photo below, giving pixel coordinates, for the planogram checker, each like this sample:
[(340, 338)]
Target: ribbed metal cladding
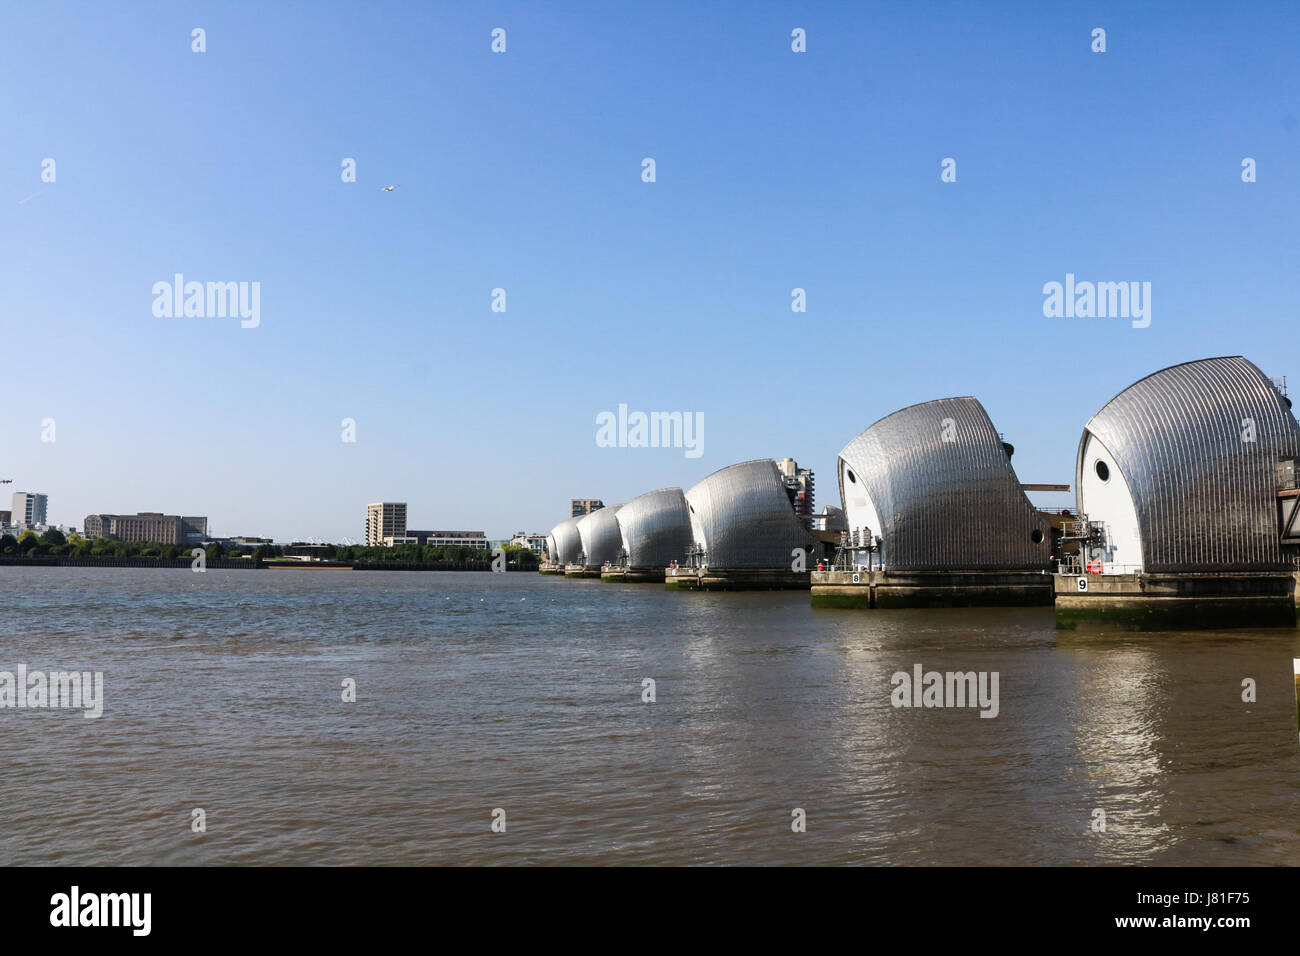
[(946, 505), (656, 528), (601, 539), (568, 543), (1206, 500), (743, 518)]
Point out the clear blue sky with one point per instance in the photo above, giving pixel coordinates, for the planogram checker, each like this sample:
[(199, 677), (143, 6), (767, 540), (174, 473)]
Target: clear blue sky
[(775, 170)]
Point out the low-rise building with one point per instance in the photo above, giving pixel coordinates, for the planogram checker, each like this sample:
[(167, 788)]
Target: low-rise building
[(535, 543), (153, 526), (439, 539)]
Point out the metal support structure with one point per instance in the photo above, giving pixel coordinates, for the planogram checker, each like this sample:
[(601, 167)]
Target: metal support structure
[(860, 540), (1089, 534)]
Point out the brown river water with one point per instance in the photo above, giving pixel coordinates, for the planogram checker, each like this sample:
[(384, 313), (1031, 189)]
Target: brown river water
[(477, 692)]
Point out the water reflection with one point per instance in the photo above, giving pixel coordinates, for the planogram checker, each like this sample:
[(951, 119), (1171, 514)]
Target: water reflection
[(523, 692), (1118, 708)]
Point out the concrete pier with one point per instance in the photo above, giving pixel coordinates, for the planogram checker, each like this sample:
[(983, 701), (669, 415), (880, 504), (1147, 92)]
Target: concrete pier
[(885, 589), (550, 569), (581, 571), (633, 575), (735, 579), (1176, 601)]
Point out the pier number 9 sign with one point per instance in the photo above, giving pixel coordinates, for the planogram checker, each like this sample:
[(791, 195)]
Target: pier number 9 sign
[(1081, 583)]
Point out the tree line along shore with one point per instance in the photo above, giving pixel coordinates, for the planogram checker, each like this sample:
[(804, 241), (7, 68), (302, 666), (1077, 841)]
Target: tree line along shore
[(52, 548)]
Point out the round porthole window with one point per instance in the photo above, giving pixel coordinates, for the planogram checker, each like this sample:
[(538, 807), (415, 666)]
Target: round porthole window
[(852, 477), (1102, 469), (1036, 537)]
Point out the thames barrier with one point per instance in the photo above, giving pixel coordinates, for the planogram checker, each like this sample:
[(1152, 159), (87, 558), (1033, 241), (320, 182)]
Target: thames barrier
[(1187, 515)]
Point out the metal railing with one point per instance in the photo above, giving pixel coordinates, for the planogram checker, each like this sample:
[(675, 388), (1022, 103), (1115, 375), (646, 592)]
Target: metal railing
[(1071, 565)]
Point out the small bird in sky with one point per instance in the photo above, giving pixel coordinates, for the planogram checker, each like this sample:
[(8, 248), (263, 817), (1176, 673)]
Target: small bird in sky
[(389, 189)]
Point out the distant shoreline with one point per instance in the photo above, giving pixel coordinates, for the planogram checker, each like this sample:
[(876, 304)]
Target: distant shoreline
[(225, 564)]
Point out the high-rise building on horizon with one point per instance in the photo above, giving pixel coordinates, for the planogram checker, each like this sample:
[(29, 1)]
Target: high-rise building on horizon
[(585, 506), (385, 519), (800, 486), (29, 508)]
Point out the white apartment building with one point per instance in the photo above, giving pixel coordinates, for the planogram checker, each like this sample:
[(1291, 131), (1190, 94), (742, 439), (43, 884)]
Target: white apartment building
[(535, 543), (385, 519), (29, 509)]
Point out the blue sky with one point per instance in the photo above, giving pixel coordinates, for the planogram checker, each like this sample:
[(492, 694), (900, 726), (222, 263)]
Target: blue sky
[(522, 171)]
